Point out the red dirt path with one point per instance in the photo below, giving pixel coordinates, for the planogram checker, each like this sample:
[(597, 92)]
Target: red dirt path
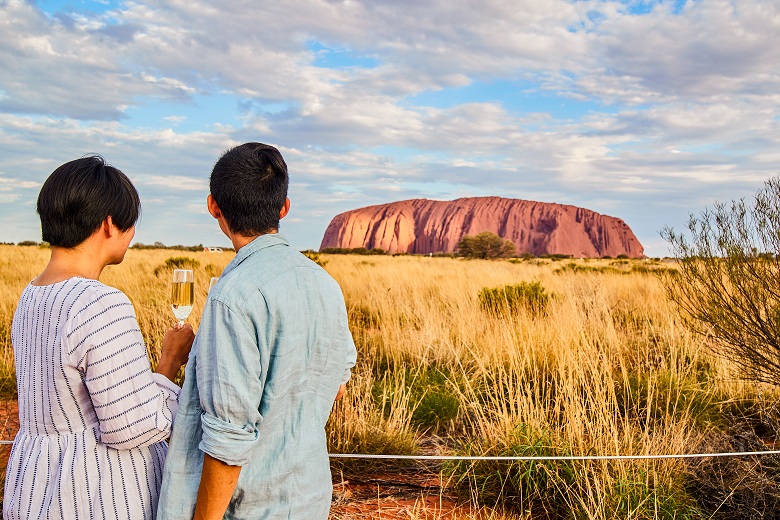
[(385, 495)]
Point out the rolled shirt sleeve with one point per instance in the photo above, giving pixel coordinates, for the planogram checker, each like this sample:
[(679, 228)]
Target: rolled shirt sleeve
[(230, 385)]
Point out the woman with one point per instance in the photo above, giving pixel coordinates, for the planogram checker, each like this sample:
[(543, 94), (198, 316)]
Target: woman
[(92, 416)]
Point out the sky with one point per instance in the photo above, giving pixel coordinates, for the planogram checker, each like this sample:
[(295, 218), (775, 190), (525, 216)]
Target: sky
[(644, 110)]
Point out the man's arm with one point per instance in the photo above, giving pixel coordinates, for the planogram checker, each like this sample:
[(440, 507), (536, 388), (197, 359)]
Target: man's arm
[(342, 391), (217, 483), (229, 388)]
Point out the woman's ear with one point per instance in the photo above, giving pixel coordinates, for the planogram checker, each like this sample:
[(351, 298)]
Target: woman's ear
[(108, 227)]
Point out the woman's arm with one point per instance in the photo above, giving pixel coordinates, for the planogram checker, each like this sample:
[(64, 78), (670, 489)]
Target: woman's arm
[(176, 347), (133, 406)]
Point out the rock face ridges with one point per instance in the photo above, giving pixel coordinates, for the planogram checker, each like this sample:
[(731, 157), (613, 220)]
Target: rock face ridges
[(425, 226)]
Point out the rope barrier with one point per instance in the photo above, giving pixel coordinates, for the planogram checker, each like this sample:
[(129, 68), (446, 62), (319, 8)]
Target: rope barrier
[(537, 458), (552, 457)]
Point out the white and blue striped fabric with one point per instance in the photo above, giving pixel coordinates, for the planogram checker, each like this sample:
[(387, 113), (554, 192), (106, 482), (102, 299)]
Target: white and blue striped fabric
[(92, 415)]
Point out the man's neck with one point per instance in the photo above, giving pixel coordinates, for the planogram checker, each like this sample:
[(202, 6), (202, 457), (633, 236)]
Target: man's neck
[(240, 241)]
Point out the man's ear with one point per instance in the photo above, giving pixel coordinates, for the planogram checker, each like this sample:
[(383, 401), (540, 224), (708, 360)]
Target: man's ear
[(285, 209), (213, 208)]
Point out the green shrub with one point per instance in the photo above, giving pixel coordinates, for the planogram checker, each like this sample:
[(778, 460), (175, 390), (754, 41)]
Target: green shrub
[(510, 299), (432, 391), (485, 245), (540, 487), (638, 496), (654, 395), (572, 267), (561, 488)]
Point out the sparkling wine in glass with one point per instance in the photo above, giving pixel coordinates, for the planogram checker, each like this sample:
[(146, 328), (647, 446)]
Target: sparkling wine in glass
[(214, 279), (182, 293)]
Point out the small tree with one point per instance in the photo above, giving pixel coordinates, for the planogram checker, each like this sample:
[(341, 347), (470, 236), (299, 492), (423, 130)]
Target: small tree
[(728, 281), (485, 245)]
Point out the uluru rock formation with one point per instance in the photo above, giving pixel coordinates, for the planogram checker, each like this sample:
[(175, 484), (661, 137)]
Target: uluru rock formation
[(425, 226)]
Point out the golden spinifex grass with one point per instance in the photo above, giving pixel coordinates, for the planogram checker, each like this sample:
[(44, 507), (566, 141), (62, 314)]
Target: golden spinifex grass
[(606, 368)]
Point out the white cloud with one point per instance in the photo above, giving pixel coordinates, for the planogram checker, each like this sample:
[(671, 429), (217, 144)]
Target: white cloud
[(688, 101)]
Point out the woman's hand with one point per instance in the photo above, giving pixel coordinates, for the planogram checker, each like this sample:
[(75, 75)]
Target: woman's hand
[(176, 347)]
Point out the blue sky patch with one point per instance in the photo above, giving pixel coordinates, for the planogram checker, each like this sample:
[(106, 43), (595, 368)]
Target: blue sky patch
[(53, 7), (201, 115), (518, 98), (339, 58)]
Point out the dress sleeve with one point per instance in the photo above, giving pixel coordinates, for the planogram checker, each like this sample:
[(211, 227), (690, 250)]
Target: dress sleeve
[(134, 406), (229, 380)]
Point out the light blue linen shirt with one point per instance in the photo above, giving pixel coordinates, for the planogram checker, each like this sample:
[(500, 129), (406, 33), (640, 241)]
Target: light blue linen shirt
[(272, 349)]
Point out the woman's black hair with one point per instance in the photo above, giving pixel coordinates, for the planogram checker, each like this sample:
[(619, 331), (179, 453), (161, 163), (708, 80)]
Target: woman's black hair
[(249, 184), (79, 195)]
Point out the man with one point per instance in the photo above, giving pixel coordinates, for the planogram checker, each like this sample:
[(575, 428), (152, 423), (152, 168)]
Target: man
[(272, 353)]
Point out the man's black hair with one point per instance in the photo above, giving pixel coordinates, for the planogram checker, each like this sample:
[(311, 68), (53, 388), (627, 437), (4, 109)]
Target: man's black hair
[(249, 184), (79, 195)]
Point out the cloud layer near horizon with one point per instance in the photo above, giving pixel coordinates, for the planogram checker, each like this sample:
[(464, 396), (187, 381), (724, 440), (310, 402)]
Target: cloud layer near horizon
[(645, 111)]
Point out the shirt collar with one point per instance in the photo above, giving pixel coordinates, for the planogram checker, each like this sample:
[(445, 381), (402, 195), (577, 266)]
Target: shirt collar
[(261, 242)]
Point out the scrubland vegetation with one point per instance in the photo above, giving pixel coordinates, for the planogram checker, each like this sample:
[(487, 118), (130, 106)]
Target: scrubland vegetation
[(514, 357)]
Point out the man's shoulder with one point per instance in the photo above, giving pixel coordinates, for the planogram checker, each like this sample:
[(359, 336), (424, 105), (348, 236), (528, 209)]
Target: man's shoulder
[(271, 273)]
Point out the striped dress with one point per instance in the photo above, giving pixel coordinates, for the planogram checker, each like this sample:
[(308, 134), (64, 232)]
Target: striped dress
[(93, 417)]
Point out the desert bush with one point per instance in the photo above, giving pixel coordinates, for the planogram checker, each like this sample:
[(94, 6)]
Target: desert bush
[(211, 270), (735, 487), (728, 283), (177, 262), (510, 299), (315, 257)]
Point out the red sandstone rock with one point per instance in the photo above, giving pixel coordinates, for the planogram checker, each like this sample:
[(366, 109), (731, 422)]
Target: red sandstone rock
[(425, 226)]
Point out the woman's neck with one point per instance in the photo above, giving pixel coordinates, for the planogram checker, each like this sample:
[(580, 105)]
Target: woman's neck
[(66, 263)]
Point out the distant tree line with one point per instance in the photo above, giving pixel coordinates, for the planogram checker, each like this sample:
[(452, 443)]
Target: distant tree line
[(137, 245), (28, 243), (352, 251), (160, 245)]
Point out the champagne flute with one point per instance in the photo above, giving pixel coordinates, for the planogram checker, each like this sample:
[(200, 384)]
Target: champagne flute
[(182, 294), (214, 279)]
